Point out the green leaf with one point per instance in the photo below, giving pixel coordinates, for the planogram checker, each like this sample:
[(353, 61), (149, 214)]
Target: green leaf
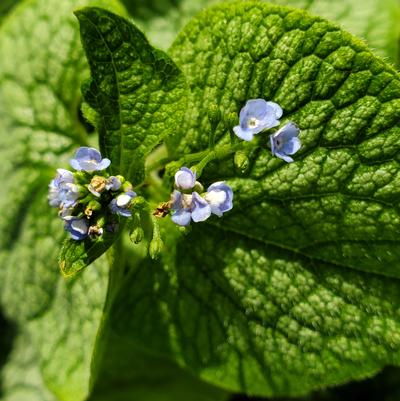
[(338, 202), (22, 376), (375, 21), (297, 287), (148, 378), (137, 91), (163, 19), (76, 255), (41, 72), (6, 6)]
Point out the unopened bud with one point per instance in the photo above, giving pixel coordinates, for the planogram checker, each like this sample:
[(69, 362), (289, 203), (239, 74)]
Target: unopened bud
[(136, 235), (120, 178), (126, 186), (156, 244), (231, 120), (214, 115), (155, 247), (241, 161)]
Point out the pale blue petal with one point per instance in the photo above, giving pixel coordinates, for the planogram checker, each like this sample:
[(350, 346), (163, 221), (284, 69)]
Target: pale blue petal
[(292, 146), (185, 178), (181, 217), (103, 164), (256, 108), (201, 210), (246, 135), (284, 157), (75, 164), (277, 109)]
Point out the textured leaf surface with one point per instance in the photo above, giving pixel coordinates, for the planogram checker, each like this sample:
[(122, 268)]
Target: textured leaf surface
[(41, 72), (137, 91), (375, 21), (257, 319), (338, 202), (76, 255), (161, 20), (291, 290), (22, 378)]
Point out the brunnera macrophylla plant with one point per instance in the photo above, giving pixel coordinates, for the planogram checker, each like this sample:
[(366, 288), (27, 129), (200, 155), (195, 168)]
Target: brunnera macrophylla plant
[(254, 166), (90, 203)]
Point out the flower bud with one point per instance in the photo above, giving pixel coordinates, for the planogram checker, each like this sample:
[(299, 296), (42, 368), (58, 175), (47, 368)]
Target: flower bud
[(214, 115), (230, 120), (241, 161), (155, 247), (136, 235)]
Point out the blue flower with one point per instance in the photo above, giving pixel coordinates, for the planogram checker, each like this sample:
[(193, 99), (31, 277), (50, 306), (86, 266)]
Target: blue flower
[(189, 207), (285, 142), (113, 184), (219, 196), (89, 159), (63, 192), (120, 204), (78, 228), (256, 116), (185, 179)]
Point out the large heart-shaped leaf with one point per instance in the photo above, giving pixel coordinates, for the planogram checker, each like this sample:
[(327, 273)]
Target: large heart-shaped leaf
[(296, 288)]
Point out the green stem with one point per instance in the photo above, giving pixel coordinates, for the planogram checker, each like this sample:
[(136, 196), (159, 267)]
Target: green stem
[(202, 158), (218, 154)]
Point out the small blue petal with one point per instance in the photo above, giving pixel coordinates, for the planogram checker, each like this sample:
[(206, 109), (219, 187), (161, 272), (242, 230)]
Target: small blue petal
[(78, 228), (256, 116), (113, 183), (277, 109), (220, 198), (186, 207), (185, 178), (285, 142), (62, 190), (120, 204), (284, 157), (88, 159), (246, 135), (200, 208), (181, 217)]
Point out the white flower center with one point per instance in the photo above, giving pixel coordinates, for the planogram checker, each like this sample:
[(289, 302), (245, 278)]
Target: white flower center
[(123, 200), (186, 201), (216, 197), (252, 122)]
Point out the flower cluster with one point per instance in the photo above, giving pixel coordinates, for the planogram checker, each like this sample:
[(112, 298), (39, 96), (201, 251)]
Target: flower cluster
[(188, 204), (259, 115), (90, 202)]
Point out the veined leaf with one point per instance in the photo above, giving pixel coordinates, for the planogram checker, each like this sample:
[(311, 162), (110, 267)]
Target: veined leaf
[(297, 287), (41, 72), (376, 21), (338, 202), (136, 90)]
